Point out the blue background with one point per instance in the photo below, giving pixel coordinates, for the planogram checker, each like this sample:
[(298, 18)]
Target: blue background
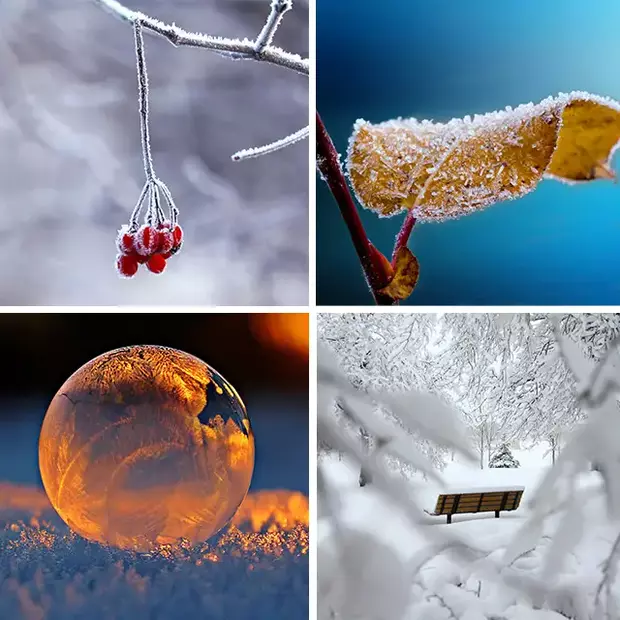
[(557, 245), (280, 425)]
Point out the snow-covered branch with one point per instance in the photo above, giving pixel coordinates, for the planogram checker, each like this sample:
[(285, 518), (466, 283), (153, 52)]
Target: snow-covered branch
[(610, 572)]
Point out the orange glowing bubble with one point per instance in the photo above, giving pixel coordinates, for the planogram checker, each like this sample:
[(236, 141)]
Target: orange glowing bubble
[(145, 445)]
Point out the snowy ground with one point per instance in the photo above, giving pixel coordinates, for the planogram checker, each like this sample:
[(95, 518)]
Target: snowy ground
[(254, 571), (454, 590)]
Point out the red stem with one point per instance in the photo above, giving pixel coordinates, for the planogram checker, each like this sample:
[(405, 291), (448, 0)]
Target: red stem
[(402, 239), (328, 163)]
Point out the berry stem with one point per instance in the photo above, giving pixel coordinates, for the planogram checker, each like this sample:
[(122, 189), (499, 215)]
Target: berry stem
[(328, 163), (143, 99), (174, 211), (403, 234), (135, 214)]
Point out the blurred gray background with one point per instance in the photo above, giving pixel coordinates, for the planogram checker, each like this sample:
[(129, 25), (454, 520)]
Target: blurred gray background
[(71, 168)]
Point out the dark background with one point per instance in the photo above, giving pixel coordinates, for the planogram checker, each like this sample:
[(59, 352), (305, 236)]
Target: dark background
[(264, 361), (71, 168), (445, 59)]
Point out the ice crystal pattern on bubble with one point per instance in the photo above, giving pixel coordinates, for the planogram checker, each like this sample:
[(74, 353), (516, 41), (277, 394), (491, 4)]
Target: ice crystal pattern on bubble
[(146, 445)]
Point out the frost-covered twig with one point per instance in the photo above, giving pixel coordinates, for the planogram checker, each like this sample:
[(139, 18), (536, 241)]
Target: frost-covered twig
[(274, 146), (143, 103), (245, 48), (402, 239), (155, 215), (328, 163), (265, 37), (259, 49)]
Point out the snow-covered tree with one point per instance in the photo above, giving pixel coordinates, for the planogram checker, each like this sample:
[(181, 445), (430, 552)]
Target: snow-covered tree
[(503, 372), (503, 458)]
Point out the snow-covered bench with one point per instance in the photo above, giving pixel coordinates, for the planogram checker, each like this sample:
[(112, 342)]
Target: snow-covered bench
[(489, 499)]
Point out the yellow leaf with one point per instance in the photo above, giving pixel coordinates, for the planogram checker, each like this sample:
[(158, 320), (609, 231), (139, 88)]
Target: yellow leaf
[(451, 169), (590, 131), (406, 273)]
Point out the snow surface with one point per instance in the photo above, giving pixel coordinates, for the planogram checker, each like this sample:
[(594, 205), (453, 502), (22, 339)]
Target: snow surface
[(446, 588), (48, 573)]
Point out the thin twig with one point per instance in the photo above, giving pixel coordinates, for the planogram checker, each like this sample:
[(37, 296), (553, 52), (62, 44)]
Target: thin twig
[(245, 48), (143, 100), (265, 37), (257, 151), (328, 163), (402, 239)]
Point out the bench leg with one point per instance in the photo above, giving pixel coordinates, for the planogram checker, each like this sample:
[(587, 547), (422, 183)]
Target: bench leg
[(449, 518), (497, 514)]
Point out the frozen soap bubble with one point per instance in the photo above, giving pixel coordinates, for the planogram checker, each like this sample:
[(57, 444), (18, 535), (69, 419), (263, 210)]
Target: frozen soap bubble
[(144, 445)]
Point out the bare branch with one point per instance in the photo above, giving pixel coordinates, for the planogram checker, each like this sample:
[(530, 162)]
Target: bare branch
[(252, 50), (273, 146)]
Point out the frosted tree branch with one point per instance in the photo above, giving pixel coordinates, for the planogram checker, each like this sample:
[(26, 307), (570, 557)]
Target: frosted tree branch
[(274, 146), (265, 37), (260, 49), (245, 48)]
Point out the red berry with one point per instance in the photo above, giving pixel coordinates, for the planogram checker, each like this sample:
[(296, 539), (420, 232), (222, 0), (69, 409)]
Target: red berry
[(126, 265), (146, 240), (125, 241), (165, 241), (157, 263), (177, 235)]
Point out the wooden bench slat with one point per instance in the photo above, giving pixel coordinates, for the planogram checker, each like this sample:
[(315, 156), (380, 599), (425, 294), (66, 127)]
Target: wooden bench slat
[(473, 504)]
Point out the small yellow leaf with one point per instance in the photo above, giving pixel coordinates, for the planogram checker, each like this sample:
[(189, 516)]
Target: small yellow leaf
[(448, 170), (406, 273)]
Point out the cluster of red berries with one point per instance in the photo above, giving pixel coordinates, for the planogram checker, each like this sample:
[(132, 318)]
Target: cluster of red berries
[(149, 245)]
